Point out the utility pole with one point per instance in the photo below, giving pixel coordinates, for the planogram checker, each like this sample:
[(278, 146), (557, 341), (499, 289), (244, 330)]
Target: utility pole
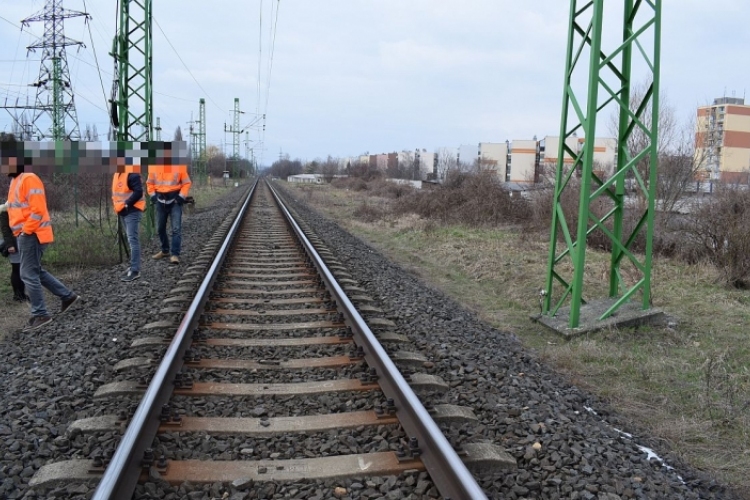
[(54, 94), (610, 73), (158, 129), (198, 142), (235, 130), (248, 152), (132, 49), (132, 93)]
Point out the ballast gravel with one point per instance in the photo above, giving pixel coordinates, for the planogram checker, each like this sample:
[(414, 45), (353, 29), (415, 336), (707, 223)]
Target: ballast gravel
[(48, 377), (564, 439), (563, 449)]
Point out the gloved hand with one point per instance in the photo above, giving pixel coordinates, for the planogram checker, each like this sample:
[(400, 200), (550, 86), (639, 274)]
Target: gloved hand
[(153, 199), (180, 200)]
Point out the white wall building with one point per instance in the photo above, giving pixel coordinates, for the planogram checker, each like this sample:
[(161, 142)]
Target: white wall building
[(446, 159), (426, 160), (468, 154), (494, 156)]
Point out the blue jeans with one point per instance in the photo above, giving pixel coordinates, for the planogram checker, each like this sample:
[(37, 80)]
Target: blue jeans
[(34, 277), (131, 223), (174, 212)]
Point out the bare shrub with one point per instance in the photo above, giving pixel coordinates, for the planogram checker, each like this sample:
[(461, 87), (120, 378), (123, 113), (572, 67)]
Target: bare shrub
[(388, 189), (350, 183), (367, 212), (473, 199), (721, 229)]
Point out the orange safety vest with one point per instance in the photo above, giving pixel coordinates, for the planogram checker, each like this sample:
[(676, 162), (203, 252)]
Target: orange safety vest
[(168, 178), (27, 208), (121, 192)]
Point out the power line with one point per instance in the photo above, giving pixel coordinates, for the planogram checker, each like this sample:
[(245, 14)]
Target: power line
[(96, 59), (270, 69), (10, 22), (260, 56), (185, 65)]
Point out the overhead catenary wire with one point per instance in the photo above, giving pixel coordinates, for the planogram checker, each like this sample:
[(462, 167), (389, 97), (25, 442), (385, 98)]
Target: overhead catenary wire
[(185, 65), (96, 59), (270, 65), (260, 56)]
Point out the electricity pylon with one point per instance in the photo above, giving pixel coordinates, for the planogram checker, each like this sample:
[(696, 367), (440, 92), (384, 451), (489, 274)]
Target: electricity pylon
[(198, 143), (132, 49), (609, 73), (235, 130), (158, 129), (54, 94), (132, 99)]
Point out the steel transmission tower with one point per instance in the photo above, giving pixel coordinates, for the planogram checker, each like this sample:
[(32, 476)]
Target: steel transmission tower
[(158, 129), (235, 130), (610, 75), (132, 99), (132, 112), (54, 95), (198, 144)]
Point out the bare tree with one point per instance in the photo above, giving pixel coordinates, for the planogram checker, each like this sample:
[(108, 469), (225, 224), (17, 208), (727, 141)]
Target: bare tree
[(329, 168), (446, 161), (639, 140), (680, 166), (178, 134)]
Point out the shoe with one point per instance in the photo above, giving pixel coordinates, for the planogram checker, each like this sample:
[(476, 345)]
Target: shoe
[(174, 259), (20, 298), (130, 275), (160, 255), (36, 322), (66, 303)]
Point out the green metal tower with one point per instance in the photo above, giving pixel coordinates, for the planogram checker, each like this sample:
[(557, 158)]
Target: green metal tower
[(609, 74), (133, 56), (235, 130), (201, 138), (133, 103)]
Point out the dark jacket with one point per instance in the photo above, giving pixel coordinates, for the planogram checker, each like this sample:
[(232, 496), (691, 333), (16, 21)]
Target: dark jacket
[(8, 239), (135, 184)]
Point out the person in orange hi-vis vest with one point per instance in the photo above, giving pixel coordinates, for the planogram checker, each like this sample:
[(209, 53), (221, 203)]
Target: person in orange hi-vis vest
[(168, 186), (127, 197), (30, 223)]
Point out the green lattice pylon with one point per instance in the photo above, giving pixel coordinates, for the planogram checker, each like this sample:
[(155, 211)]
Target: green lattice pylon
[(608, 74), (134, 101)]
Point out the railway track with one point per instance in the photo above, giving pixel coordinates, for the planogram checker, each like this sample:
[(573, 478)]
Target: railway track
[(263, 343)]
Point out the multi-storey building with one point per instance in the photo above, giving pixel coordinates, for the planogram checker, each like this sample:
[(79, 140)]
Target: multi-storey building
[(722, 140), (494, 156), (524, 160), (427, 163), (467, 157)]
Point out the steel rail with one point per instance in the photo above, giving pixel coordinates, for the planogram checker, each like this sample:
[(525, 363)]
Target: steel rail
[(447, 471), (122, 474)]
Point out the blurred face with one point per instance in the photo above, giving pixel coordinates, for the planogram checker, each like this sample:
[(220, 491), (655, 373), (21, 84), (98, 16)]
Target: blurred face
[(12, 167)]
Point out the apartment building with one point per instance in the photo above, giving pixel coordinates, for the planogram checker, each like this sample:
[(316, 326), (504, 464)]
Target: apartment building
[(524, 159), (605, 154), (467, 157), (494, 156), (722, 140), (427, 163)]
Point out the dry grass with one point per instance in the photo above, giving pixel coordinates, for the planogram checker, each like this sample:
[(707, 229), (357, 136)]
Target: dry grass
[(687, 384)]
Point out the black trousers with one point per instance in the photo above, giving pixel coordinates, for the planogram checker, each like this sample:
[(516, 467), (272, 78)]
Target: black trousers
[(16, 282)]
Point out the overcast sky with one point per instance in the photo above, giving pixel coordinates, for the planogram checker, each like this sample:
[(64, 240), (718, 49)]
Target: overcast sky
[(355, 76)]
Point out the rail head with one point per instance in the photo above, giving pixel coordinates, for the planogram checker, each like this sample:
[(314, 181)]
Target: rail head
[(446, 468), (122, 473)]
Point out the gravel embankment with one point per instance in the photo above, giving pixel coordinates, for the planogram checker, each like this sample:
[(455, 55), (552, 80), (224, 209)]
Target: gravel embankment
[(48, 377), (522, 404)]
